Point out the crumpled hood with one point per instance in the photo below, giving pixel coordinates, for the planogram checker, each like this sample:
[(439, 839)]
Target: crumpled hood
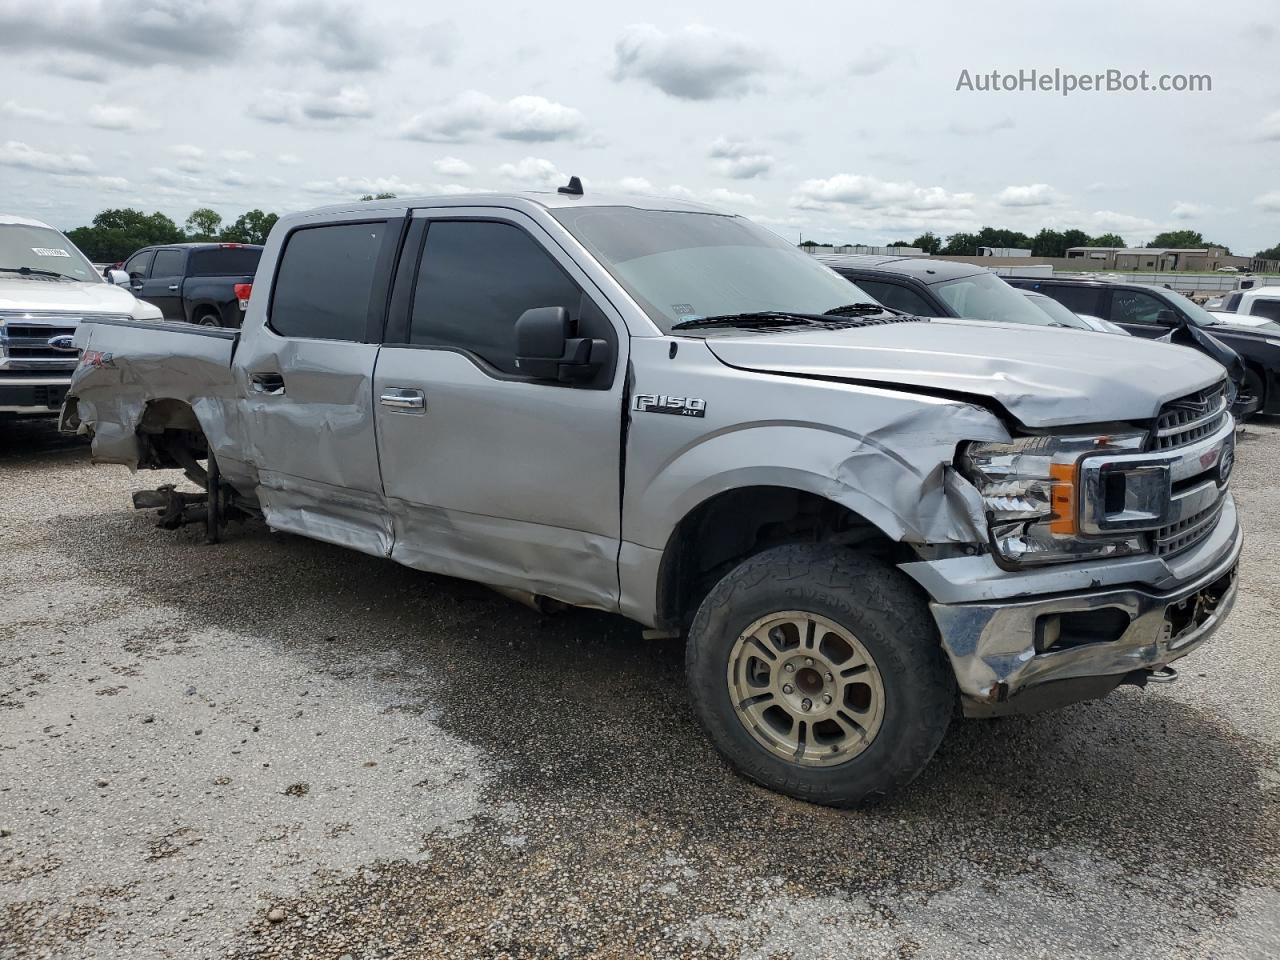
[(1042, 376), (60, 297)]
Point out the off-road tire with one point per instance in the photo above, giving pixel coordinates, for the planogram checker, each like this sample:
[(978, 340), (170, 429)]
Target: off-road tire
[(885, 611)]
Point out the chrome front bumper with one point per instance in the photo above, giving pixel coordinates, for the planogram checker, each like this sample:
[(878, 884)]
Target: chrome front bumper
[(1020, 655)]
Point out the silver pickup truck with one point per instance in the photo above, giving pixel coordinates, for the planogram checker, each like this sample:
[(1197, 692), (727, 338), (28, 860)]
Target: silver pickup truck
[(860, 520)]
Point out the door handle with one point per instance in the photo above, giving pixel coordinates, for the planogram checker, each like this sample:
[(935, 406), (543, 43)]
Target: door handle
[(403, 398), (173, 286), (269, 383)]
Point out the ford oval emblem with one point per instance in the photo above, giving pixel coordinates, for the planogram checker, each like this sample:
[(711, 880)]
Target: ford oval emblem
[(63, 342), (1226, 461)]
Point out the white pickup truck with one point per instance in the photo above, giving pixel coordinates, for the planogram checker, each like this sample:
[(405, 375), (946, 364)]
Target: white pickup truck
[(47, 288), (861, 520)]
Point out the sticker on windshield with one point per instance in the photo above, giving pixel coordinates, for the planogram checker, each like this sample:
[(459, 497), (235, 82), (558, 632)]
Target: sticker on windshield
[(50, 252)]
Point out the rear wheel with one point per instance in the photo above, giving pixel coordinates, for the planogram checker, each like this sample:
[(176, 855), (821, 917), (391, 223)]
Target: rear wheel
[(817, 673), (208, 319), (1251, 390)]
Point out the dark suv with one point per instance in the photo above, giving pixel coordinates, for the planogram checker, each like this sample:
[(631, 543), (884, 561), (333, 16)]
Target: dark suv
[(1159, 313), (204, 283)]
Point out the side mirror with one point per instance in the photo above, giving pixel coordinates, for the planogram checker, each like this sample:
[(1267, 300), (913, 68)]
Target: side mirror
[(545, 349), (1167, 318), (118, 277)]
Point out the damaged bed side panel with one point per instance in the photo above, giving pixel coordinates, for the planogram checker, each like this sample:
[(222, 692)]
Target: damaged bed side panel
[(127, 365)]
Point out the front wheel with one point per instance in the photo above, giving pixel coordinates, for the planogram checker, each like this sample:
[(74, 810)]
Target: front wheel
[(817, 673)]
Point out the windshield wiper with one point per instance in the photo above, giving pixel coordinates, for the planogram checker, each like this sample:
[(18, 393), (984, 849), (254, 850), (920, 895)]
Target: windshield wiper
[(759, 318), (859, 310), (34, 272)]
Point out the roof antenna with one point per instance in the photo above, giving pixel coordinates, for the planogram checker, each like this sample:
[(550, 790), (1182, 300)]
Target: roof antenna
[(574, 188)]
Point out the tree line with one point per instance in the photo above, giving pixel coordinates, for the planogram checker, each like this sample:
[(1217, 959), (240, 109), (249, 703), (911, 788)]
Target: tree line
[(115, 234), (1051, 243)]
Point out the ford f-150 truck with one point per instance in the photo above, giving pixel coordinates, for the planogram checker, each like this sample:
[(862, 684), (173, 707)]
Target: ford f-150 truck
[(203, 283), (47, 287), (858, 519)]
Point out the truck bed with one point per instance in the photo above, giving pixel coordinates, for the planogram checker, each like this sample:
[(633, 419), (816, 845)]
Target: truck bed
[(127, 364)]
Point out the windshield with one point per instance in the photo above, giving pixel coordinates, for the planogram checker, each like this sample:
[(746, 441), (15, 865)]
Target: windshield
[(1057, 312), (41, 250), (1203, 318), (682, 266), (984, 296)]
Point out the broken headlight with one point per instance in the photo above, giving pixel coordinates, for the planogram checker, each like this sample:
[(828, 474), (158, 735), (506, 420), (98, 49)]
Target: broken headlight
[(1031, 493)]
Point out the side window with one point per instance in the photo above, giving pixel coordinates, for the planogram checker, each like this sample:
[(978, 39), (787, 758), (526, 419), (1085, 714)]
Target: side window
[(1233, 300), (475, 279), (138, 263), (1085, 300), (1265, 308), (897, 297), (168, 264), (1134, 306), (324, 283)]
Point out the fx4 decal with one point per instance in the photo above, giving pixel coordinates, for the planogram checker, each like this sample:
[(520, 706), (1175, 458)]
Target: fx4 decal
[(677, 406)]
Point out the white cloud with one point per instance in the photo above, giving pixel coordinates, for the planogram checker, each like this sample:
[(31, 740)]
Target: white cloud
[(358, 186), (172, 178), (236, 156), (119, 117), (1188, 211), (453, 167), (857, 190), (307, 109), (337, 36), (1032, 195), (728, 198), (979, 128), (474, 115), (740, 159), (533, 172), (1268, 128), (1111, 221), (1269, 201), (635, 185), (25, 111), (189, 150), (15, 153), (289, 159), (695, 63), (190, 166), (234, 178), (872, 60), (76, 67)]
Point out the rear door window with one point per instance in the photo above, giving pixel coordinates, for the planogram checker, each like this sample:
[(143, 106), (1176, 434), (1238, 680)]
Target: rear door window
[(898, 297), (324, 284), (1265, 308), (1080, 300), (168, 264)]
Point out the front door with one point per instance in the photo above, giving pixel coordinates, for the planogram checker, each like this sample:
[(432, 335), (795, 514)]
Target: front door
[(305, 382), (490, 475), (1143, 314), (163, 286)]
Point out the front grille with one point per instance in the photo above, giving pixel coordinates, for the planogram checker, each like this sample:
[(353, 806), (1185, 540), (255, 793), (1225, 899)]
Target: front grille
[(1187, 532), (15, 331), (1191, 418), (24, 342)]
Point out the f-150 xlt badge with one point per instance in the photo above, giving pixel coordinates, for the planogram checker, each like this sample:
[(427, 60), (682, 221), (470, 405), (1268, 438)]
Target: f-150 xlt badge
[(679, 406)]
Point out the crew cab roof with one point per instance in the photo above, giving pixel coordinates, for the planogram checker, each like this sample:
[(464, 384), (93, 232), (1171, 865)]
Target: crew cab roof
[(548, 199), (924, 269), (9, 219)]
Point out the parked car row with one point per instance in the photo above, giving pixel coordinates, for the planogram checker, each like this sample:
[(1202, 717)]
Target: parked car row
[(860, 518)]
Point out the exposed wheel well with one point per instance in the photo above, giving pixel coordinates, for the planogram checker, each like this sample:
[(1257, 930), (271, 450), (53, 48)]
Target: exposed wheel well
[(170, 436), (724, 530)]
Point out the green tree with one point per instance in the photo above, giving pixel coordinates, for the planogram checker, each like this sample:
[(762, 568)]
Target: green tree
[(1107, 240), (928, 242), (961, 245), (116, 233), (250, 227), (1272, 253), (900, 243), (203, 224), (1048, 243), (378, 196), (1074, 238), (1179, 238), (1001, 237)]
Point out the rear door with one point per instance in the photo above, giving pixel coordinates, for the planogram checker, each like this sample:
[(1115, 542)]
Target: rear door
[(163, 285), (490, 475), (305, 377)]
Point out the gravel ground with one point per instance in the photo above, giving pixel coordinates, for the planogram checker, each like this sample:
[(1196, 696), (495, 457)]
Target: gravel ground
[(277, 748)]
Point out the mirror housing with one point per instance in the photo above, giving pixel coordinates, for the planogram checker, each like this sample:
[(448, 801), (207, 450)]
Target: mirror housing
[(118, 277), (546, 349), (1168, 318)]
